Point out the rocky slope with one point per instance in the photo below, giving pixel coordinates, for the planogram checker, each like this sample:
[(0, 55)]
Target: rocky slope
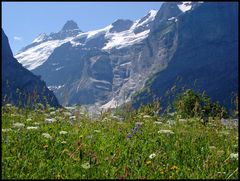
[(20, 86), (206, 56), (92, 67), (105, 67)]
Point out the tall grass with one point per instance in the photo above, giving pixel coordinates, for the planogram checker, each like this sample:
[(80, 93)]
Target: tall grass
[(139, 145)]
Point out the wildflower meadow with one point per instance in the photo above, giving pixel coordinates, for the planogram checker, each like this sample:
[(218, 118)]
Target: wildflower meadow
[(70, 144)]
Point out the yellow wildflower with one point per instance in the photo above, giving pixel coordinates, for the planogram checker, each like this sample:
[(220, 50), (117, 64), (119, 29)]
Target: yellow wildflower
[(45, 146), (148, 162), (174, 167), (58, 176), (162, 171)]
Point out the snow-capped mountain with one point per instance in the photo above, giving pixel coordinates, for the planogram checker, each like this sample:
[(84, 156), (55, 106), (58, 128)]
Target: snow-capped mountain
[(119, 34), (105, 67), (42, 47), (42, 56)]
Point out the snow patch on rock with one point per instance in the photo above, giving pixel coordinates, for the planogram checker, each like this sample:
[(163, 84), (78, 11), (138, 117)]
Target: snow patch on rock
[(185, 6)]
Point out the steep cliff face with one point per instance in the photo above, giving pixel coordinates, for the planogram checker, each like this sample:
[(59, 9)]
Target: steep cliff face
[(206, 56), (191, 41), (94, 67), (19, 86)]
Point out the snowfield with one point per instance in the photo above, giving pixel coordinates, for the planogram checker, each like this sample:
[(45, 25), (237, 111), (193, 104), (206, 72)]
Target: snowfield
[(35, 56)]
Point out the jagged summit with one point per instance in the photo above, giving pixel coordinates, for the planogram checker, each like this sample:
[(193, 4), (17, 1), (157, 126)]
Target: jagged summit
[(149, 17), (118, 21), (41, 37), (121, 25), (70, 25)]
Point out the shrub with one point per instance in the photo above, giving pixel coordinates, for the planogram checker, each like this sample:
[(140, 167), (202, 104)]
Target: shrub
[(190, 104), (151, 109)]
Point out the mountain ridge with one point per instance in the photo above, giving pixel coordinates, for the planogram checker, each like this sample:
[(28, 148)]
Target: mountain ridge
[(105, 67), (21, 87)]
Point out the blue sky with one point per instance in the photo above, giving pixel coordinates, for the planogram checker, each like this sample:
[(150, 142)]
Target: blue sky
[(24, 21)]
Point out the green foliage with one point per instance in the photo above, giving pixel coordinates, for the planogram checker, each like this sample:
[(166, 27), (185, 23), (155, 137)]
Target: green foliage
[(190, 104), (151, 109), (236, 105), (104, 148)]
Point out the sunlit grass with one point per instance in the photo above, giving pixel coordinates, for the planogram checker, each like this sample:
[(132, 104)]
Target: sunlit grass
[(140, 146)]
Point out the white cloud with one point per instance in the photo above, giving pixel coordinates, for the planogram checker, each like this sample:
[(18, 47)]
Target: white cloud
[(17, 38)]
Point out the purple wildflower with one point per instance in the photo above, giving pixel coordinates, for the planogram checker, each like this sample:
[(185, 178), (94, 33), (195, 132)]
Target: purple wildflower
[(224, 121), (135, 129), (121, 177), (129, 135)]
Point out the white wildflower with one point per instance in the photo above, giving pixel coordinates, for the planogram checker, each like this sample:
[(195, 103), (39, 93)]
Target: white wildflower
[(138, 123), (152, 156), (52, 109), (170, 122), (166, 131), (105, 119), (63, 142), (212, 147), (6, 130), (32, 127), (67, 113), (221, 173), (119, 122), (29, 119), (86, 165), (234, 156), (182, 120), (50, 120), (146, 116), (158, 122), (224, 133), (18, 125), (46, 135), (36, 123), (82, 113), (63, 132), (89, 136), (72, 117), (116, 117), (52, 113), (171, 114)]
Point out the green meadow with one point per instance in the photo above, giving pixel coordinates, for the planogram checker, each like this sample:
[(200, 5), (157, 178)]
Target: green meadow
[(70, 144)]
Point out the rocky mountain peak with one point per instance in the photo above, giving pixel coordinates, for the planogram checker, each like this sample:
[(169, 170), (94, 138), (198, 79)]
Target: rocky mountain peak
[(70, 25), (150, 15), (41, 37), (121, 25), (107, 66), (6, 50)]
